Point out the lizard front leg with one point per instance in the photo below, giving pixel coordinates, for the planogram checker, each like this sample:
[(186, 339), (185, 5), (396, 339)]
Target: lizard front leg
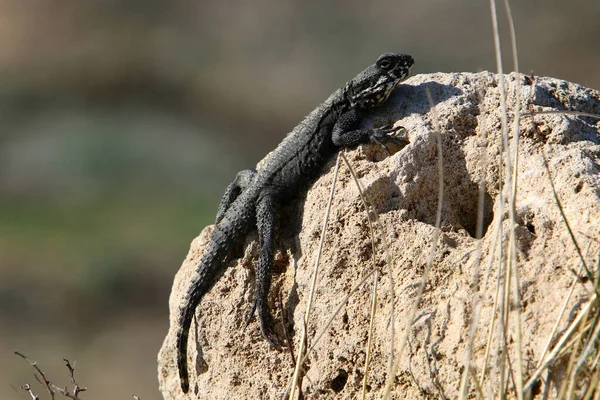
[(347, 132), (266, 212), (242, 180)]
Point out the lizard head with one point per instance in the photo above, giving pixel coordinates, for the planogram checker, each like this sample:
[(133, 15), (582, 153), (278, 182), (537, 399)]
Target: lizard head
[(373, 86)]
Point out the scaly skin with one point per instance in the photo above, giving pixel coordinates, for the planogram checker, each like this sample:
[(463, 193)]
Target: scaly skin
[(253, 199)]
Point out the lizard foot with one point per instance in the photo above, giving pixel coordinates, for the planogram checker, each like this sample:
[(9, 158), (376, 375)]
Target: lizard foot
[(267, 325), (383, 135)]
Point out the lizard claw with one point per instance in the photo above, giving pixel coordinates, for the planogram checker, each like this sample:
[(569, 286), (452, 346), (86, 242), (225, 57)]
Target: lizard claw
[(267, 326), (390, 128), (250, 314), (267, 330), (377, 139), (382, 135)]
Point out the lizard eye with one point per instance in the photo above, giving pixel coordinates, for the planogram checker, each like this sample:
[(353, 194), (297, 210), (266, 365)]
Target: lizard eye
[(385, 63)]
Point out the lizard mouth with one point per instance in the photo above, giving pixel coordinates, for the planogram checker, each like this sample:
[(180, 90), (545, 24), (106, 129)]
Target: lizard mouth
[(386, 88), (389, 88), (378, 93)]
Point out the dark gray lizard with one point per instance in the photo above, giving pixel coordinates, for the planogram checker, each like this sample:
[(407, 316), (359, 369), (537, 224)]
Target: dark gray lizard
[(255, 196)]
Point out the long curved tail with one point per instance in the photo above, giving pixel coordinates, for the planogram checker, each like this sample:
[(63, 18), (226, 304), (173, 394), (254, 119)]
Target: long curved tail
[(224, 241), (209, 270), (185, 321)]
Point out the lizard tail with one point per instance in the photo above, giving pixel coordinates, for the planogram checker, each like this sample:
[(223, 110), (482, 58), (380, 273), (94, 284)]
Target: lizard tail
[(185, 321), (208, 271)]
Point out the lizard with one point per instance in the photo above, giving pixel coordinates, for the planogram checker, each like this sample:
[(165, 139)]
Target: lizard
[(253, 199)]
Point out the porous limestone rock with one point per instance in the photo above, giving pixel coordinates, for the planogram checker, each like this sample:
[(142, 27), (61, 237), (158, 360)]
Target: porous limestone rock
[(229, 361)]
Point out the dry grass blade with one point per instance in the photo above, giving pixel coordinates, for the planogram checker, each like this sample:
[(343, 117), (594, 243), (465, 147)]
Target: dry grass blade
[(474, 321), (563, 309), (318, 336), (560, 345), (476, 303), (566, 221), (434, 241), (478, 387), (589, 347), (563, 346), (372, 271), (315, 272), (513, 201), (595, 379), (511, 275), (567, 112), (370, 336), (496, 247), (373, 219), (369, 207), (337, 311), (597, 396), (566, 390), (390, 369), (517, 112), (370, 210), (497, 48)]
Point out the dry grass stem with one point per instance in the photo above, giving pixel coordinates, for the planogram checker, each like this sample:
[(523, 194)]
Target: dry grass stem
[(315, 272), (371, 217), (434, 241)]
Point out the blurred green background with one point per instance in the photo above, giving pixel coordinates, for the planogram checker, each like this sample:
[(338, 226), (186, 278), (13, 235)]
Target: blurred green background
[(121, 123)]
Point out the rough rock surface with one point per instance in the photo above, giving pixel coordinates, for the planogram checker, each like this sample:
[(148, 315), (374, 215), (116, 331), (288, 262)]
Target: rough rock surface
[(233, 362)]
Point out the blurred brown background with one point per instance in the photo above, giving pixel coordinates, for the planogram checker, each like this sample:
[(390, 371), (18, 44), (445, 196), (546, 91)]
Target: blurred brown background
[(121, 123)]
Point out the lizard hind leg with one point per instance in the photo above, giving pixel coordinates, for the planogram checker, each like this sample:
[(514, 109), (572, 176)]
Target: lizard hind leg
[(266, 212), (242, 180)]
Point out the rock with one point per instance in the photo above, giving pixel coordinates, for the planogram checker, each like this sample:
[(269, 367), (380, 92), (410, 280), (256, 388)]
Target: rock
[(234, 362)]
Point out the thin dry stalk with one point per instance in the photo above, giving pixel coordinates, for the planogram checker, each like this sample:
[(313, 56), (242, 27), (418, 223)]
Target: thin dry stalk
[(367, 275), (577, 113), (566, 221), (317, 338), (499, 287), (304, 338), (369, 209), (594, 380), (563, 309), (501, 342), (474, 321), (561, 344), (513, 198), (511, 276), (496, 246), (434, 241), (27, 388), (566, 391), (51, 388), (476, 303), (337, 311), (597, 396), (41, 377), (589, 347), (517, 112), (371, 328), (388, 259), (478, 388)]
